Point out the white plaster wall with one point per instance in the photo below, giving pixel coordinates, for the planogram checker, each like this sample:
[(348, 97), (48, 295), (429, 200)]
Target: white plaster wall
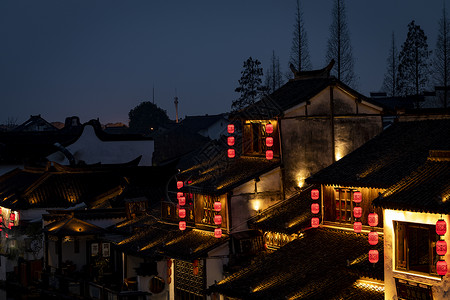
[(214, 264), (91, 149), (245, 203), (441, 288), (68, 253), (132, 263), (215, 130)]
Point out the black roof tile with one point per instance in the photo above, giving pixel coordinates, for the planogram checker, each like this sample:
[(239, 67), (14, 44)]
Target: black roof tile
[(425, 190), (388, 157), (321, 264)]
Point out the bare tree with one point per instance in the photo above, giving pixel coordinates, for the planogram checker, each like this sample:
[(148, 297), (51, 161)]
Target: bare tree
[(339, 46), (274, 78), (299, 49), (390, 78), (414, 66), (441, 61)]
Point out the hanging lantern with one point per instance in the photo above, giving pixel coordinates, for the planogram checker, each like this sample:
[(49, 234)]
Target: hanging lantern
[(217, 219), (441, 247), (441, 267), (230, 141), (6, 235), (373, 238), (231, 153), (179, 184), (357, 212), (441, 227), (179, 195), (269, 154), (230, 128), (357, 197), (195, 263), (315, 208), (217, 206), (11, 224), (182, 213), (269, 141), (12, 216), (182, 225), (195, 271), (182, 201), (269, 128), (373, 256), (218, 233), (357, 227), (315, 222), (315, 194), (373, 219)]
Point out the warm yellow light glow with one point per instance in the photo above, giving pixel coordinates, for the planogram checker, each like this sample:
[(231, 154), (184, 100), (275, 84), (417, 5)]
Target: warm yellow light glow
[(300, 181), (365, 284), (338, 155), (256, 205)]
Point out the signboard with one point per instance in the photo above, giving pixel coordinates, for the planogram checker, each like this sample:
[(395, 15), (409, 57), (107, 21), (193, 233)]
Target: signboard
[(94, 249), (105, 249)]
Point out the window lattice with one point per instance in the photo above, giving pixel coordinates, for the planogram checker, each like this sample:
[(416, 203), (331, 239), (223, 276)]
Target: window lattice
[(186, 281)]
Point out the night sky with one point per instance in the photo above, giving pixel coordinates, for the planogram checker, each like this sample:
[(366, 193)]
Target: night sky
[(99, 59)]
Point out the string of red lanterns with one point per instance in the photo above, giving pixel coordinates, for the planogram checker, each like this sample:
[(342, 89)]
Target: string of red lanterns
[(181, 202), (217, 219), (269, 141), (357, 211), (373, 237), (230, 141), (315, 208), (441, 247)]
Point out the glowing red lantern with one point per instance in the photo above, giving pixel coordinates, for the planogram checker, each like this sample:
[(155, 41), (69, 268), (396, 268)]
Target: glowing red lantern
[(315, 194), (179, 184), (269, 141), (269, 128), (315, 208), (357, 227), (230, 128), (182, 213), (12, 216), (230, 140), (357, 212), (217, 219), (217, 206), (195, 263), (357, 197), (441, 267), (269, 154), (441, 227), (373, 237), (441, 247), (195, 270), (11, 224), (218, 233), (6, 235), (315, 222), (182, 225), (231, 153), (179, 195), (373, 219), (373, 256), (182, 201)]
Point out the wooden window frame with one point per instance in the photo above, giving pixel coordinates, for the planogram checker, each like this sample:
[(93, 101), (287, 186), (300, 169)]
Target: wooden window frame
[(347, 208), (403, 231)]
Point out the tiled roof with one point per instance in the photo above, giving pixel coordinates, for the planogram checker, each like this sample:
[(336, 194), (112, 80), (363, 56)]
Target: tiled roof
[(162, 239), (289, 216), (72, 227), (197, 123), (390, 156), (321, 264), (425, 190), (64, 187), (220, 176), (294, 92)]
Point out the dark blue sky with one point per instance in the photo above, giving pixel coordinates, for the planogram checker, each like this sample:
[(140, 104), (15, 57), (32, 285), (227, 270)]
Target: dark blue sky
[(99, 59)]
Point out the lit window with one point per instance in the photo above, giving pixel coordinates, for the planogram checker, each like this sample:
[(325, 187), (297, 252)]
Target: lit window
[(415, 247)]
